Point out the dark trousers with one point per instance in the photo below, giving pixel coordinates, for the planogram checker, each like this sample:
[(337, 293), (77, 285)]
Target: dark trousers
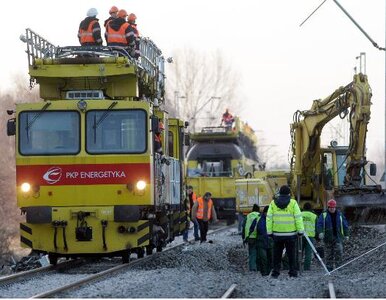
[(333, 251), (204, 225), (264, 256), (252, 254), (307, 251), (289, 243)]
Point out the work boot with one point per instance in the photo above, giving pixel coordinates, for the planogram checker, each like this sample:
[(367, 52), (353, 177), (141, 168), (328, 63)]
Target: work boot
[(275, 275)]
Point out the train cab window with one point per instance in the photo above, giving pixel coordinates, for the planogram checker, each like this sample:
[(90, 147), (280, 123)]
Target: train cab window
[(49, 132), (116, 131), (214, 168)]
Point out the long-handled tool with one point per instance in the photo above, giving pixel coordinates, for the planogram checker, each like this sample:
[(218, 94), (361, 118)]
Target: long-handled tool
[(300, 254), (317, 254), (349, 262)]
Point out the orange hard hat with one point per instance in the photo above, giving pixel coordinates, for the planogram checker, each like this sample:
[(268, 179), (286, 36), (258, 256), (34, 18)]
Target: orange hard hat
[(122, 13), (132, 17), (331, 203), (113, 9)]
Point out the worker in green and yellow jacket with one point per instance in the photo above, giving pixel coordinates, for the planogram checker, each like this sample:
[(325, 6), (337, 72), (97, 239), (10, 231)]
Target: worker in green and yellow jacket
[(309, 221), (250, 236), (284, 224)]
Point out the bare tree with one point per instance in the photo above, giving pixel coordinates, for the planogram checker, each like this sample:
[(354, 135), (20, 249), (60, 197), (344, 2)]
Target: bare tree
[(9, 213), (200, 86)]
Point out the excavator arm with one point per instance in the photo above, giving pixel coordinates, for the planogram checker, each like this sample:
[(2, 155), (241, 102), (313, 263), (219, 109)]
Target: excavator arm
[(353, 99)]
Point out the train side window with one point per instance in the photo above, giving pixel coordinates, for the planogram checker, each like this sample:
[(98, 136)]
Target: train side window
[(171, 143)]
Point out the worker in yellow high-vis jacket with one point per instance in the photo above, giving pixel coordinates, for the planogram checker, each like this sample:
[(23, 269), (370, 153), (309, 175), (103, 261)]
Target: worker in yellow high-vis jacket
[(250, 237), (284, 224), (309, 220)]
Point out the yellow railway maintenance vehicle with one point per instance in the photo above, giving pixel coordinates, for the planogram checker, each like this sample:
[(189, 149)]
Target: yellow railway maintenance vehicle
[(216, 158), (321, 173), (260, 189), (88, 177)]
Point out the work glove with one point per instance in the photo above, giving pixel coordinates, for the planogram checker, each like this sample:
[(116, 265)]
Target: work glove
[(321, 235)]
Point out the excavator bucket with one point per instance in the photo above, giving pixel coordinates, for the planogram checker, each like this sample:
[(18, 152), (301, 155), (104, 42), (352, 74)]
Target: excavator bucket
[(363, 207)]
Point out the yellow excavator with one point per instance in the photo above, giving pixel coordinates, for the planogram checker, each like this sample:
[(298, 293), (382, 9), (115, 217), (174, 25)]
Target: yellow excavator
[(319, 174)]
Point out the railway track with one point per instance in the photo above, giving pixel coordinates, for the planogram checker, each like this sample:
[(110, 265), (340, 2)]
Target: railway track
[(25, 284), (331, 290), (76, 280), (229, 291), (26, 275)]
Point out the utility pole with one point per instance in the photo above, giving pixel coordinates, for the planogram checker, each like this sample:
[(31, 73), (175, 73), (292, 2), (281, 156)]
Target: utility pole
[(177, 98), (379, 48)]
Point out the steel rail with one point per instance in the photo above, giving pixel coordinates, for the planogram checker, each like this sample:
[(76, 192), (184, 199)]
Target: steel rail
[(20, 275), (26, 274), (331, 290), (229, 291), (51, 293)]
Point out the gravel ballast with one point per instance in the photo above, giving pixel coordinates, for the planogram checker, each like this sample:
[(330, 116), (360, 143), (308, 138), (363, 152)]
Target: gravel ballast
[(208, 270)]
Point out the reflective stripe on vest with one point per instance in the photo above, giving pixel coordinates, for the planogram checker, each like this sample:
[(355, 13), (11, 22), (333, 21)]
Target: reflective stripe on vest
[(250, 217), (284, 222), (86, 36), (117, 37), (309, 219), (341, 223), (200, 209)]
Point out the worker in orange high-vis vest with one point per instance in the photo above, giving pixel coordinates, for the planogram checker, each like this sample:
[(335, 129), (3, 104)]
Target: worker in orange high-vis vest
[(118, 31), (133, 36), (89, 33), (113, 15), (203, 211)]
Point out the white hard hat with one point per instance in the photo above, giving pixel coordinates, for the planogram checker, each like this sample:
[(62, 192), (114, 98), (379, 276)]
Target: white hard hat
[(92, 12)]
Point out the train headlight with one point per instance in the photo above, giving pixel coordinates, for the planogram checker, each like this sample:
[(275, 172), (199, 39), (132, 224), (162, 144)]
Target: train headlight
[(140, 185), (25, 187)]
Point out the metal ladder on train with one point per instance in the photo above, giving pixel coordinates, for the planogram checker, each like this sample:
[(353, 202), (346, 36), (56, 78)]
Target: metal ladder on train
[(151, 59), (37, 46)]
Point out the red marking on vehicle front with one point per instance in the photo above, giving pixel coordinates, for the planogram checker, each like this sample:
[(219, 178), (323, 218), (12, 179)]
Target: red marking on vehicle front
[(82, 174)]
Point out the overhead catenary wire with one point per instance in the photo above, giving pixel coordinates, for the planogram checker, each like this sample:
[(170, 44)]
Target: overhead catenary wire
[(312, 13), (352, 19)]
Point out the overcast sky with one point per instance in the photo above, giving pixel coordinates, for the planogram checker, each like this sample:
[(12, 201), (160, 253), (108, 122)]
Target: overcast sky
[(283, 66)]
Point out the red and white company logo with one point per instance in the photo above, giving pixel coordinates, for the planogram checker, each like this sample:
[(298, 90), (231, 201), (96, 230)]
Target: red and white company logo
[(53, 175)]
